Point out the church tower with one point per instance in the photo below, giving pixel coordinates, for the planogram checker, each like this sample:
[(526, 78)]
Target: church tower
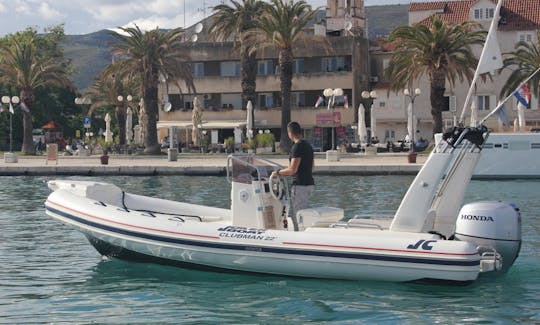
[(342, 12)]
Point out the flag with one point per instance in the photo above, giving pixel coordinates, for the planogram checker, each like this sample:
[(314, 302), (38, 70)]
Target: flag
[(24, 107), (11, 110), (319, 102), (503, 117), (523, 95), (346, 102), (491, 57)]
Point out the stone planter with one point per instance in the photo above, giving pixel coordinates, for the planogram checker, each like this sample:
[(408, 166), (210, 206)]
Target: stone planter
[(371, 151), (172, 154), (10, 157), (333, 155)]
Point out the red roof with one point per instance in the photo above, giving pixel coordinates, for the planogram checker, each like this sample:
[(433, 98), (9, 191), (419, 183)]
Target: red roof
[(516, 14), (51, 125)]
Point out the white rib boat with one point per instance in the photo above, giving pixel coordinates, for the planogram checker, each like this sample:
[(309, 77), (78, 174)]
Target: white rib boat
[(429, 238)]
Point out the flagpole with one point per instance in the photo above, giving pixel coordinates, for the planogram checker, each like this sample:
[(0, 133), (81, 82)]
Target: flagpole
[(509, 96), (483, 55)]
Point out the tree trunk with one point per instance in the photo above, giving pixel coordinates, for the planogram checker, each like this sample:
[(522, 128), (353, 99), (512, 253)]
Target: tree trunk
[(151, 145), (285, 68), (248, 65), (120, 113), (27, 96), (438, 104)]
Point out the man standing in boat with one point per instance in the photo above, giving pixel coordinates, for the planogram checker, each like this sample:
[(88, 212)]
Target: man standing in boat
[(301, 165)]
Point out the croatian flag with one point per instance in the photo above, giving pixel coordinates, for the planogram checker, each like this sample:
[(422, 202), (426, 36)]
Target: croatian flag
[(11, 110), (346, 102), (523, 95), (503, 117), (24, 107), (319, 102)]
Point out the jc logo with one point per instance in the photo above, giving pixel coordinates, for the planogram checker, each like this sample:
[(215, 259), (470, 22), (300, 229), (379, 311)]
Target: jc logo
[(424, 244)]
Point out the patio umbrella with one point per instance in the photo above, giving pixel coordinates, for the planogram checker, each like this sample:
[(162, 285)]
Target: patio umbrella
[(108, 133), (410, 122), (196, 120), (474, 114), (362, 131), (516, 125), (521, 116), (129, 125), (373, 123), (249, 122)]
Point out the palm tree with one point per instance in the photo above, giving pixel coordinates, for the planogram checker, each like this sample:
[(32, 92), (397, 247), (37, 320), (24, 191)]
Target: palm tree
[(23, 65), (526, 60), (282, 26), (151, 56), (105, 91), (237, 21), (439, 49)]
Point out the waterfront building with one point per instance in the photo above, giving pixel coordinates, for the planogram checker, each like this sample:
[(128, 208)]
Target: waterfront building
[(520, 21), (216, 68)]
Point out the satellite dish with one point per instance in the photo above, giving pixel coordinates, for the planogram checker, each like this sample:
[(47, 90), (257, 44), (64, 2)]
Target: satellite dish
[(198, 28), (167, 107), (348, 26), (194, 38)]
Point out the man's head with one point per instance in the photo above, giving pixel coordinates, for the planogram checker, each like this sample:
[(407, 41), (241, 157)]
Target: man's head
[(294, 131)]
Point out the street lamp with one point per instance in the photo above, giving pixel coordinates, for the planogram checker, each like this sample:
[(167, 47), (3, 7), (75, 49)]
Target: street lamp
[(371, 96), (331, 94), (412, 97), (13, 100)]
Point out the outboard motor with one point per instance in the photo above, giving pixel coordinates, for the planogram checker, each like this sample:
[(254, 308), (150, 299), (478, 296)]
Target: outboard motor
[(494, 225)]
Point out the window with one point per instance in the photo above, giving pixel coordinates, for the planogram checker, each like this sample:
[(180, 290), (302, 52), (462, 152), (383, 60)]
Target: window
[(333, 64), (525, 37), (485, 103), (266, 100), (298, 99), (231, 101), (175, 100), (198, 69), (265, 67), (230, 68), (450, 104), (478, 14), (490, 12), (298, 66)]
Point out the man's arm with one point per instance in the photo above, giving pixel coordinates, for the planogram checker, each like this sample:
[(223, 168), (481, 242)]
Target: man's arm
[(292, 169)]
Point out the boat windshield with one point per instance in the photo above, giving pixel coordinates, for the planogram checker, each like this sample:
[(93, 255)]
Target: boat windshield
[(248, 168)]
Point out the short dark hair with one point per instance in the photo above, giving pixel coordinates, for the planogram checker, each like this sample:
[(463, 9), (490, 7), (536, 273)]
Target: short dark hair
[(294, 128)]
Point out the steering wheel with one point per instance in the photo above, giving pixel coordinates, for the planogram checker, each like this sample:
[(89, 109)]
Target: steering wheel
[(277, 186)]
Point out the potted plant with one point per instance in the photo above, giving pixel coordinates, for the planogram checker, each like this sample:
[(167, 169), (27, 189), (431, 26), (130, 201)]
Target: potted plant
[(104, 158), (250, 145), (229, 144)]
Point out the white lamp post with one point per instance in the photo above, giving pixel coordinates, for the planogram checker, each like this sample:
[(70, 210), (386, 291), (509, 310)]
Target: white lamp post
[(371, 96), (331, 95), (412, 97), (13, 100)]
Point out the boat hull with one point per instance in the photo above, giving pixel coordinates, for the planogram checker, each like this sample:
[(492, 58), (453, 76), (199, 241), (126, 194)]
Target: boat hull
[(359, 256)]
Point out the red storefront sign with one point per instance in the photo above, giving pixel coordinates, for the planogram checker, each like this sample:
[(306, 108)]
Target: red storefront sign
[(330, 119)]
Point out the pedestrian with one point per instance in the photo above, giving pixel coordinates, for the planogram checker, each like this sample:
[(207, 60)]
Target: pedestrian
[(301, 166)]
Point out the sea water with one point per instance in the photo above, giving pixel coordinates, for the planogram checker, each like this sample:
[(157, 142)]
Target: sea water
[(50, 274)]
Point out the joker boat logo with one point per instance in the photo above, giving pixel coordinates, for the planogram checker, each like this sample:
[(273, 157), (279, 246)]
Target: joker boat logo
[(244, 233)]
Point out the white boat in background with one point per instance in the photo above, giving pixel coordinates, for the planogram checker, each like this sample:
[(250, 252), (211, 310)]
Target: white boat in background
[(430, 238), (508, 156)]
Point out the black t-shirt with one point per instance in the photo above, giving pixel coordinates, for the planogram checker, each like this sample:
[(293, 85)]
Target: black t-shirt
[(303, 150)]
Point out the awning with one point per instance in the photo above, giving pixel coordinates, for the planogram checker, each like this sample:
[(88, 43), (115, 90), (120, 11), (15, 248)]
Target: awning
[(223, 124), (178, 124)]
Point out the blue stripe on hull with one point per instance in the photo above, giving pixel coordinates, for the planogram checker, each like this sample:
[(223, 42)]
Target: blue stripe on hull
[(265, 249)]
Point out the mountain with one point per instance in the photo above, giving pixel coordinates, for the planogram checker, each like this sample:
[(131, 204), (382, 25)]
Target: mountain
[(90, 53)]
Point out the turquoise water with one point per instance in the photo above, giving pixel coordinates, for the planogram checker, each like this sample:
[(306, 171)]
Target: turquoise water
[(50, 274)]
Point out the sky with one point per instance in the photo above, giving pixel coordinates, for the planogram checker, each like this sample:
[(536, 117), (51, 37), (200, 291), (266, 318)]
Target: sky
[(86, 16)]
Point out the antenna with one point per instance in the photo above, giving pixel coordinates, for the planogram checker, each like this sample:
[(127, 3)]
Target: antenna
[(167, 107)]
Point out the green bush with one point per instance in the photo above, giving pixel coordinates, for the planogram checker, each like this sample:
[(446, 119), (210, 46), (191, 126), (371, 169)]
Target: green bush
[(265, 140)]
